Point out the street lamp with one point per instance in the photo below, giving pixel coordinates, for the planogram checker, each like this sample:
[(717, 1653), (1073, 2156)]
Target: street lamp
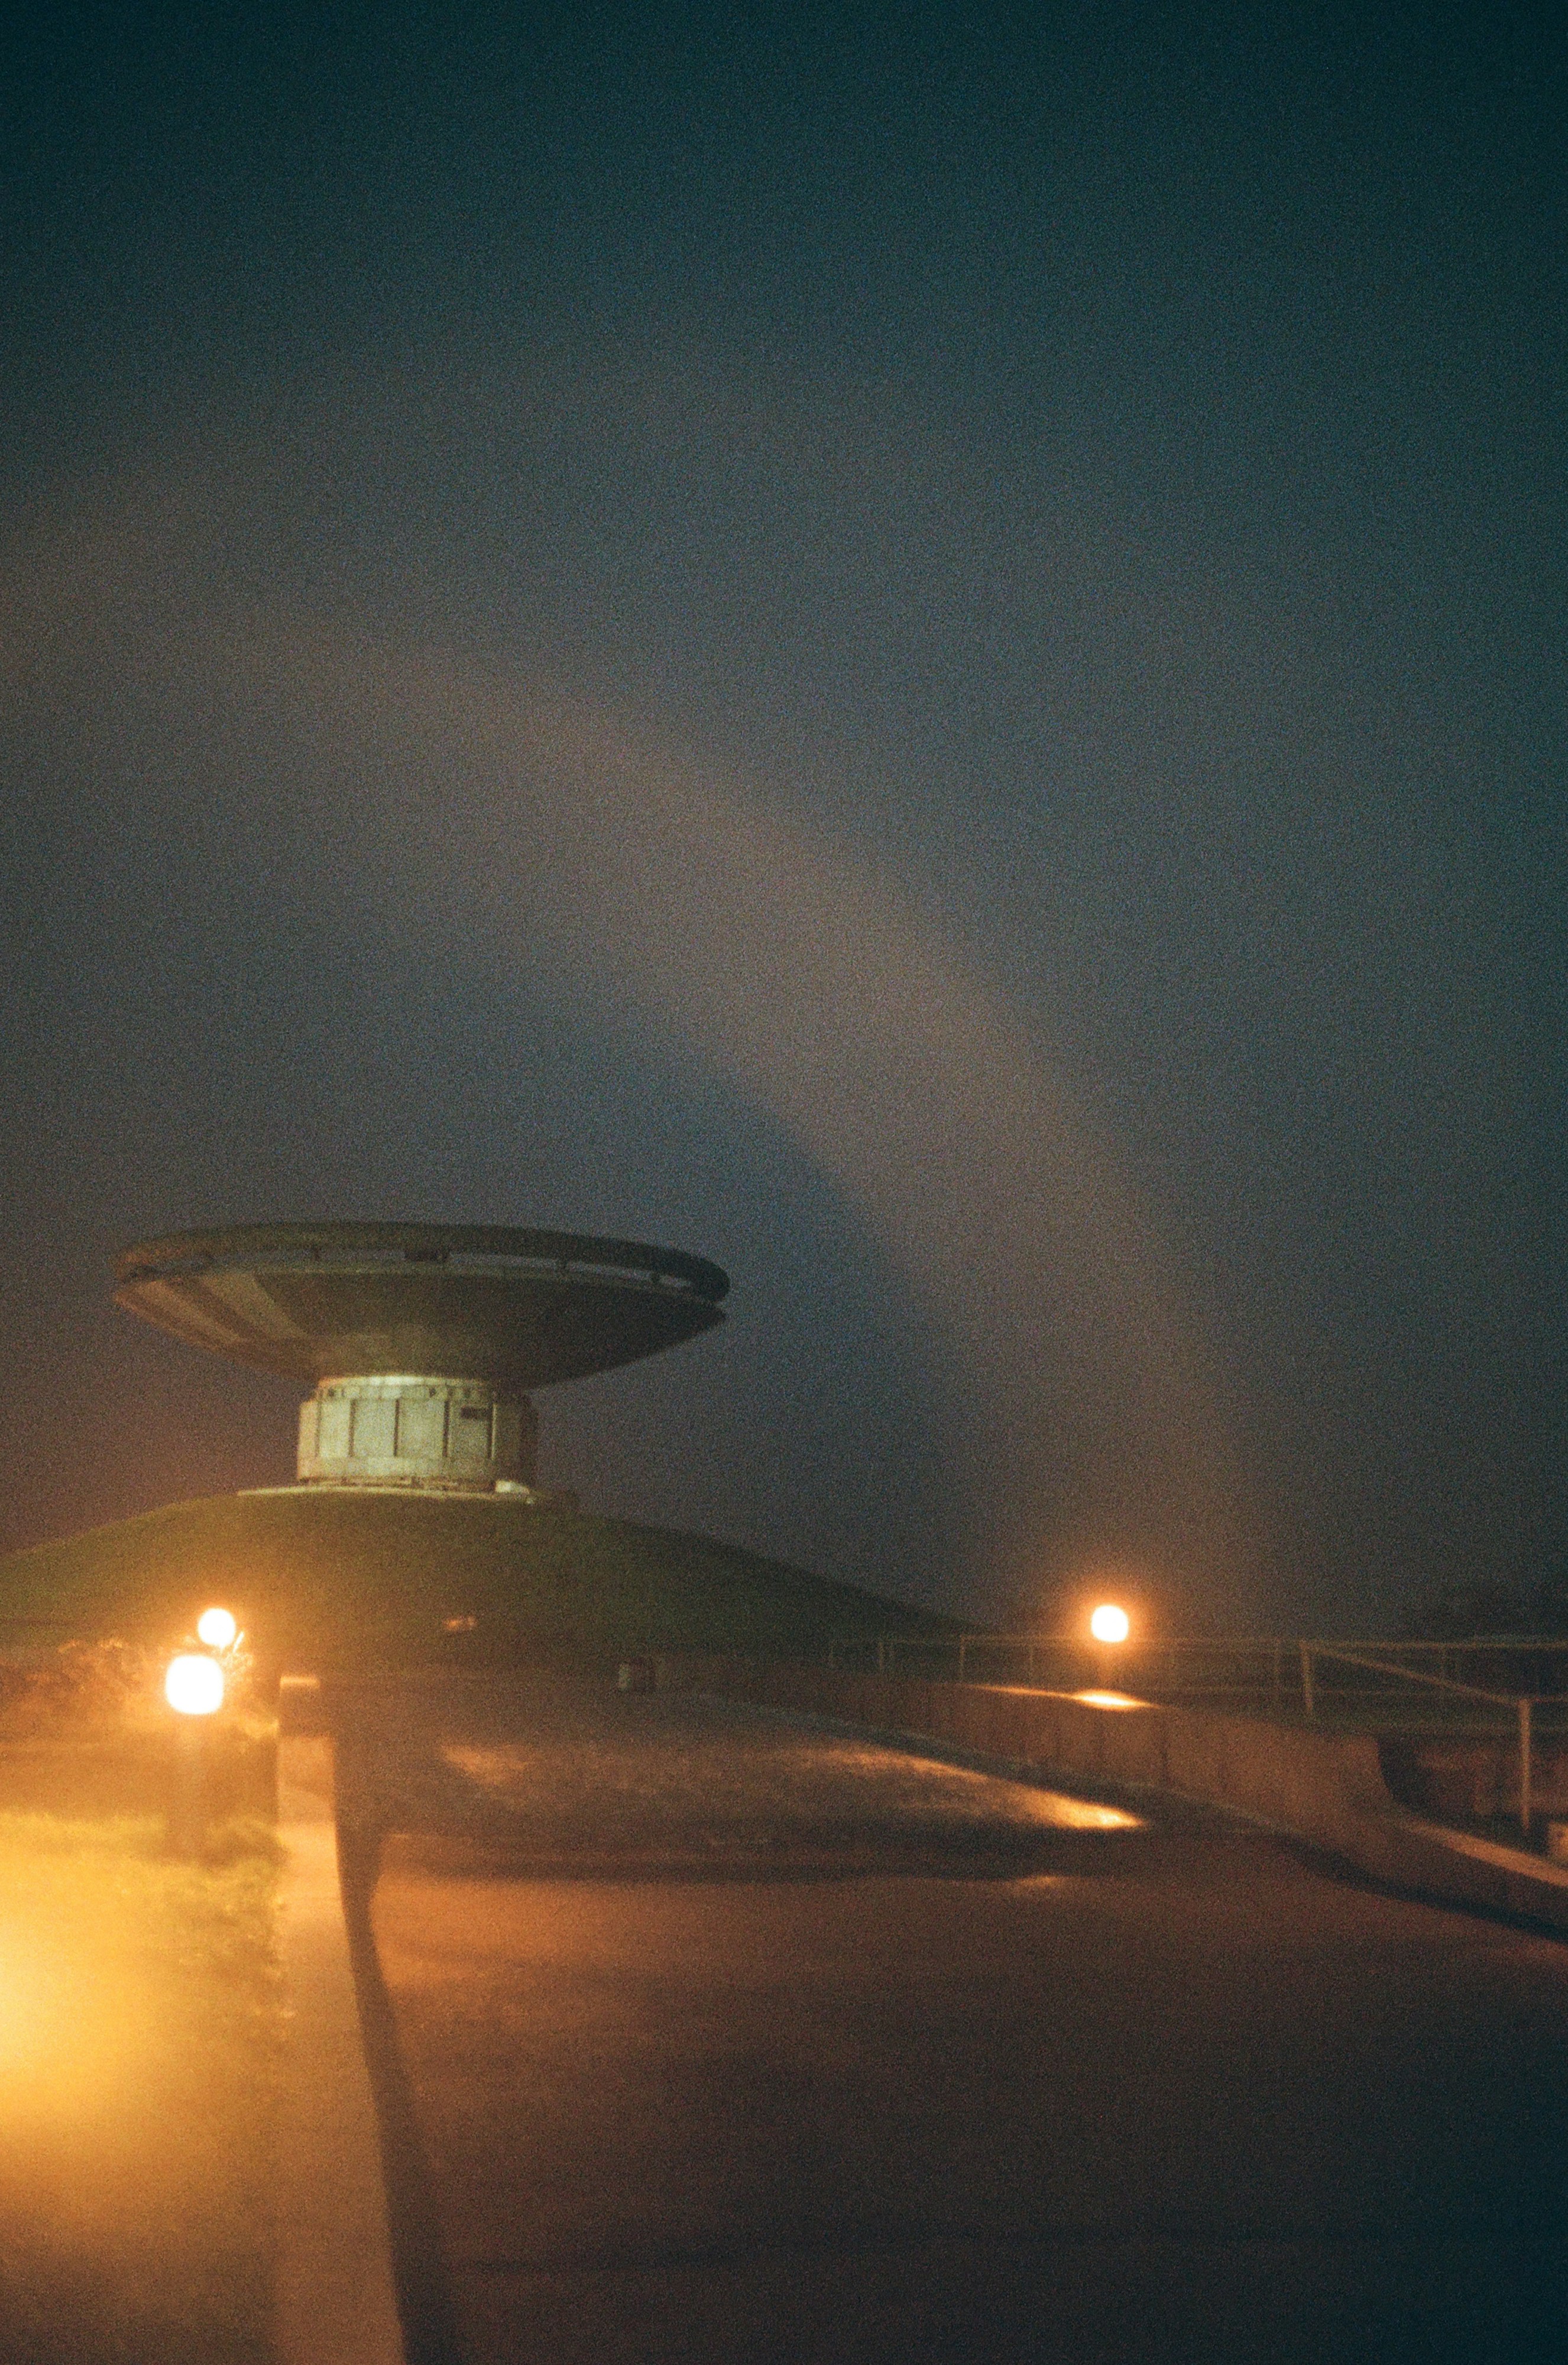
[(216, 1627), (193, 1685)]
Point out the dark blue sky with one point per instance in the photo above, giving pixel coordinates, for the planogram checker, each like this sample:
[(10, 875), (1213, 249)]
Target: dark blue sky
[(921, 653)]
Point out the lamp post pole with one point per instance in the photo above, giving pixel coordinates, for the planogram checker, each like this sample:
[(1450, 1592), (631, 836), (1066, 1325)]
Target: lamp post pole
[(194, 1687), (187, 1808)]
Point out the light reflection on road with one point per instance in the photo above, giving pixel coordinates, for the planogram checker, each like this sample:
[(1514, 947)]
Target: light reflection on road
[(562, 1773), (787, 1782)]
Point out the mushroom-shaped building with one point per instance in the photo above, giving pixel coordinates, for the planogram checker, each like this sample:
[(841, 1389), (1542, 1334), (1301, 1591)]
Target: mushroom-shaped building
[(420, 1340)]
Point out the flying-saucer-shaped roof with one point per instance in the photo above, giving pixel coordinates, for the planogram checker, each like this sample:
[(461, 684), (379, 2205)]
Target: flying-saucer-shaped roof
[(517, 1308)]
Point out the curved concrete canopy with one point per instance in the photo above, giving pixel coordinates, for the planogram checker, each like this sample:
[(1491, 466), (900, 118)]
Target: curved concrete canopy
[(513, 1308)]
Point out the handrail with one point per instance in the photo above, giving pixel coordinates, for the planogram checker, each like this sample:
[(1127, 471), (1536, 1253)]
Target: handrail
[(1415, 1674), (1523, 1704), (1275, 1648)]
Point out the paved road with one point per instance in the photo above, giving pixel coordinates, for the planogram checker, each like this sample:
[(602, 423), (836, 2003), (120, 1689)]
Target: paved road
[(712, 2039)]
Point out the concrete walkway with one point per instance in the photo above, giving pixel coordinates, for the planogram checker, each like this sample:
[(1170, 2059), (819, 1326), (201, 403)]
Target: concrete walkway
[(335, 2297), (1163, 2095)]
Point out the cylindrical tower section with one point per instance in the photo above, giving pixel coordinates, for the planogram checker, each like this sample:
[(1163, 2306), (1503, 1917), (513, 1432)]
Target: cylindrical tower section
[(412, 1430)]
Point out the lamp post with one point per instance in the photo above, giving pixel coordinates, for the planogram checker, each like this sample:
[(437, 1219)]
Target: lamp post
[(193, 1686)]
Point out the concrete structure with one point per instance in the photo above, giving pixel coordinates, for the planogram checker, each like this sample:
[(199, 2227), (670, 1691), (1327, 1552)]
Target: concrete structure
[(1178, 2097), (1325, 1788), (420, 1340)]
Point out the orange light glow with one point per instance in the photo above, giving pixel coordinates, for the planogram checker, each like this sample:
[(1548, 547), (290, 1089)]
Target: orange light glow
[(1108, 1699), (1110, 1624), (217, 1628), (194, 1685)]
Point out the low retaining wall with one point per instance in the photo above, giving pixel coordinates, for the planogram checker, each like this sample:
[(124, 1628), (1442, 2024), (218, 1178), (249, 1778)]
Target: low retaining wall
[(1325, 1788)]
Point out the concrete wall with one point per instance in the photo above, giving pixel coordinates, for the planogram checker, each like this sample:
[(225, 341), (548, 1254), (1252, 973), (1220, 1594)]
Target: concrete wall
[(1316, 1784)]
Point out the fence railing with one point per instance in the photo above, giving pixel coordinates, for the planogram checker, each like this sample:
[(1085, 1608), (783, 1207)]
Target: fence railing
[(1522, 1705), (1181, 1664)]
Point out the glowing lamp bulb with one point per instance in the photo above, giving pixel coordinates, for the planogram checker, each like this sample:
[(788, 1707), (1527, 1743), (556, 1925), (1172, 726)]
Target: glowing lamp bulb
[(1110, 1624), (194, 1685), (217, 1628)]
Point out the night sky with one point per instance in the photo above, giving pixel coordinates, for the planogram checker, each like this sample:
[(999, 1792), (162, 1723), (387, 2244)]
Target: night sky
[(918, 650)]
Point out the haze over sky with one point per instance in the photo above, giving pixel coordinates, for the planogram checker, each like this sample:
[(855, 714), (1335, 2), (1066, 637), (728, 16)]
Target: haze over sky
[(918, 650)]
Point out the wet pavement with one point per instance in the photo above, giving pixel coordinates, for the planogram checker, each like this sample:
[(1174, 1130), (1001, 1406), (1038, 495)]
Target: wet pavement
[(703, 2036), (547, 1775)]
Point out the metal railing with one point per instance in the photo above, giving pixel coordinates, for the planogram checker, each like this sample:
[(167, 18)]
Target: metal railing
[(1245, 1666), (1510, 1664), (1521, 1705)]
